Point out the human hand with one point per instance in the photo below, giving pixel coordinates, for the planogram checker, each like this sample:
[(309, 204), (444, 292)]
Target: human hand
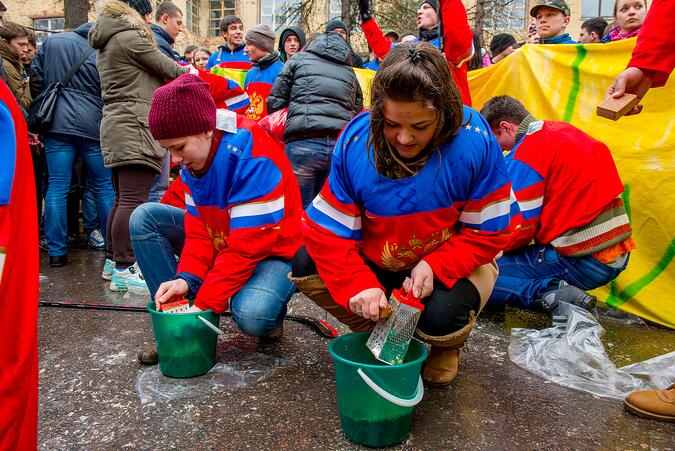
[(368, 303), (33, 139), (172, 290), (421, 280), (364, 10), (534, 39), (633, 81)]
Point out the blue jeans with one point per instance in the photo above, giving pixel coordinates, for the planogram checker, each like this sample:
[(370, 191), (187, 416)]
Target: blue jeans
[(162, 181), (60, 151), (90, 219), (157, 235), (526, 274), (310, 160)]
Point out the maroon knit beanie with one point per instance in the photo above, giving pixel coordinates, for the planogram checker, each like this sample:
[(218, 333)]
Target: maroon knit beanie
[(181, 108)]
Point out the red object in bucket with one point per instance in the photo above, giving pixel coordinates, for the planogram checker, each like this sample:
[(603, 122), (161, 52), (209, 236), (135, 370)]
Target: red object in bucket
[(174, 307)]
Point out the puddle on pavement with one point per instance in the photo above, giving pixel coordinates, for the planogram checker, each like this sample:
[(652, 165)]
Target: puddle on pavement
[(627, 338)]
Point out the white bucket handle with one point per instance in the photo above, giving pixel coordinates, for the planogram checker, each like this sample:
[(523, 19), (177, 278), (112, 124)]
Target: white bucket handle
[(211, 326), (419, 392)]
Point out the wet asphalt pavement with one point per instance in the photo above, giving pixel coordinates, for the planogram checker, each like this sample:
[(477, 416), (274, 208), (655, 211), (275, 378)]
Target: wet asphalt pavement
[(282, 394)]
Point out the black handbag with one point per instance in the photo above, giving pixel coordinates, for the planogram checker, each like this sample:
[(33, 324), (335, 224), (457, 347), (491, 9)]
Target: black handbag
[(41, 110)]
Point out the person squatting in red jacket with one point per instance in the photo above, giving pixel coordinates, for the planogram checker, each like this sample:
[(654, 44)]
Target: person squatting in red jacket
[(242, 224), (418, 197), (457, 36), (569, 192)]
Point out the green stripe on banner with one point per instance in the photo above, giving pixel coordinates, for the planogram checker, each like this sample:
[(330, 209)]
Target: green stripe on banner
[(634, 288), (576, 83), (625, 196)]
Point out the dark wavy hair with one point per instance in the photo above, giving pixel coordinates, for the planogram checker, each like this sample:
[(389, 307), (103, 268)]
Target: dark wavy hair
[(413, 72)]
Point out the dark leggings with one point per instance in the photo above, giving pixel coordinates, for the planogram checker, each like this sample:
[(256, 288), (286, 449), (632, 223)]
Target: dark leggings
[(132, 185), (446, 310)]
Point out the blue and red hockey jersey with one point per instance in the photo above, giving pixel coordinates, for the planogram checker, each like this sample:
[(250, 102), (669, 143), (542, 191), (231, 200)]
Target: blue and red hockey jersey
[(244, 209), (456, 214)]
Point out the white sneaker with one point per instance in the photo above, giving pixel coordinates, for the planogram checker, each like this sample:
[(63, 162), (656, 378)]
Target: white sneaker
[(108, 269), (129, 279)]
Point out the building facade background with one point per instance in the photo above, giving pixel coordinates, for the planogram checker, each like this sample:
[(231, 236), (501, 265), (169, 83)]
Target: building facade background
[(202, 17)]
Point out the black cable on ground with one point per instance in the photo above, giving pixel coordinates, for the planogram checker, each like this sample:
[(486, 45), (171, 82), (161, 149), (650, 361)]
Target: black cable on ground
[(319, 326)]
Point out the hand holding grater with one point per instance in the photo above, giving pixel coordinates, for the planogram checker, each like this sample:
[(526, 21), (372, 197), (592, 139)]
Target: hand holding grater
[(390, 339)]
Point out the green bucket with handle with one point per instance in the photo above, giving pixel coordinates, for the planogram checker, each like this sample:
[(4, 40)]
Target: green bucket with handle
[(375, 400), (186, 342)]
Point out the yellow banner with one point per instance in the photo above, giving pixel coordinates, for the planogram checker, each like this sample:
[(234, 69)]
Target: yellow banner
[(566, 83)]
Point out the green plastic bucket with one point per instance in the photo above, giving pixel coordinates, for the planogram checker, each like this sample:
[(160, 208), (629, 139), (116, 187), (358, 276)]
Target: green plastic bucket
[(186, 345), (375, 400)]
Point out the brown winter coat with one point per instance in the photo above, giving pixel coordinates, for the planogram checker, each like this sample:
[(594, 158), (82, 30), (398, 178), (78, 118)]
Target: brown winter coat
[(131, 68), (14, 74)]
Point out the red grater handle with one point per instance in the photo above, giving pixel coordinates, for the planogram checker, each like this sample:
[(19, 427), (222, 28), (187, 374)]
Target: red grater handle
[(408, 299)]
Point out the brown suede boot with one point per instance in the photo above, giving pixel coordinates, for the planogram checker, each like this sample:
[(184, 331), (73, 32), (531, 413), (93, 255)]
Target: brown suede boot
[(314, 288), (656, 405), (442, 366)]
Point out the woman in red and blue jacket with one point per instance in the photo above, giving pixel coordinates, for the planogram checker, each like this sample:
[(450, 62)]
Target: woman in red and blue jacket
[(242, 224), (418, 198)]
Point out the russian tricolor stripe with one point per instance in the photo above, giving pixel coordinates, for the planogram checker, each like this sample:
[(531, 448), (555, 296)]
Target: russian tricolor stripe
[(190, 205), (531, 208), (237, 102), (338, 222), (257, 214), (493, 217)]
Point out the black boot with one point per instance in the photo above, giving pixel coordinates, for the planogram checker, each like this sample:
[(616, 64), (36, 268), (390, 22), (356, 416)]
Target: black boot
[(566, 293), (56, 261)]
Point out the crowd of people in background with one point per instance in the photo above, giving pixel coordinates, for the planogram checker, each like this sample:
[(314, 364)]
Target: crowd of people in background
[(294, 140)]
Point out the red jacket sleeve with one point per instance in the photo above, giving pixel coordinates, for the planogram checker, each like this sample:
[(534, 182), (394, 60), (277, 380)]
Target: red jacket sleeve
[(375, 38), (476, 244), (457, 44), (654, 48), (487, 222), (334, 247), (234, 265)]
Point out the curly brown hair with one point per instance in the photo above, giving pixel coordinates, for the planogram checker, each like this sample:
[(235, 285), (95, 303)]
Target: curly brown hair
[(413, 72)]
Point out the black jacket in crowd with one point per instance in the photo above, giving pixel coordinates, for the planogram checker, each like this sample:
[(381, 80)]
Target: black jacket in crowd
[(320, 89), (79, 107), (164, 42)]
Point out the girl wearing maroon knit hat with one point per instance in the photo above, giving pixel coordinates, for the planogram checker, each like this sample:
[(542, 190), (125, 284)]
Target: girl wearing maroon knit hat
[(242, 224)]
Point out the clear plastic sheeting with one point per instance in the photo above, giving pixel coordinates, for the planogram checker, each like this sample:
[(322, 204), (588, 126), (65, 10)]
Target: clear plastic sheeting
[(571, 354), (237, 369)]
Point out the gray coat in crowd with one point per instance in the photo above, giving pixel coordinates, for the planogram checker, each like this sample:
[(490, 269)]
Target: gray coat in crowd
[(79, 107), (131, 68), (319, 88)]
